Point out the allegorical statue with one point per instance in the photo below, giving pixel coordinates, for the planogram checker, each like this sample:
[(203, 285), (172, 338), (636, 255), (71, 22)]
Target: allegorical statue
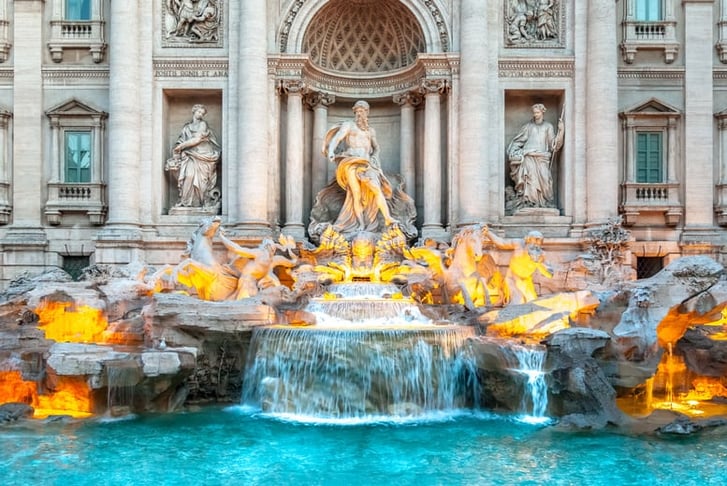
[(530, 155), (194, 162), (362, 198), (527, 258)]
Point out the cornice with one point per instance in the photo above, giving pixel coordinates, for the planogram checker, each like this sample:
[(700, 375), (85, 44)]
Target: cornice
[(536, 68), (371, 85)]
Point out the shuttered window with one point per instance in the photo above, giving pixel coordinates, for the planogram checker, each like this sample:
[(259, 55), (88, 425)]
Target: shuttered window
[(649, 153)]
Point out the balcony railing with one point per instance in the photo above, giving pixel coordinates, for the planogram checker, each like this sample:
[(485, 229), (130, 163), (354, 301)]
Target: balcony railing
[(84, 198), (659, 35), (75, 34), (641, 198)]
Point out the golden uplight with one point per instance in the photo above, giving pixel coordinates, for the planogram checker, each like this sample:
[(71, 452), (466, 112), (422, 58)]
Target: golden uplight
[(68, 322), (72, 395)]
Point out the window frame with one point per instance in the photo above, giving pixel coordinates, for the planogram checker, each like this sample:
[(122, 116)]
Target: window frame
[(66, 131), (661, 164)]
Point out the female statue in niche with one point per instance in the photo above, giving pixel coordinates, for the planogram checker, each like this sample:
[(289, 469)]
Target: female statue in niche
[(194, 163)]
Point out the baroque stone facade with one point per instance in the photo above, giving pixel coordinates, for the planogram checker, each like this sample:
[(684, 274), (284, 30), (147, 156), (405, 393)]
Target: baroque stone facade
[(93, 95)]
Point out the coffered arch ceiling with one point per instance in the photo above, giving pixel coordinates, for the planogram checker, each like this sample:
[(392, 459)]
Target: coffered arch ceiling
[(363, 36)]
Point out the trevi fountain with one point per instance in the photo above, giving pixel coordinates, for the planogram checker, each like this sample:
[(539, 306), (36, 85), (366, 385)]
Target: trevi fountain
[(365, 354)]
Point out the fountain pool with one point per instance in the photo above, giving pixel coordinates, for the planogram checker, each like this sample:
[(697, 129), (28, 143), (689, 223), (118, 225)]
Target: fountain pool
[(239, 446)]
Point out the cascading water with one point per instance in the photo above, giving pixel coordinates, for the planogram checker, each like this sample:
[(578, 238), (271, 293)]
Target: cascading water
[(364, 302), (530, 360), (121, 376), (345, 369)]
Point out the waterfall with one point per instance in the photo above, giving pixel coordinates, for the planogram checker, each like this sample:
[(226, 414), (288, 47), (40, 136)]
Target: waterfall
[(365, 302), (122, 376), (530, 360), (362, 372)]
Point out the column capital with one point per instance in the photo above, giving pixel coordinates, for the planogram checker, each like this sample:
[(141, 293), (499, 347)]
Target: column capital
[(434, 86), (314, 99), (411, 98), (292, 87)]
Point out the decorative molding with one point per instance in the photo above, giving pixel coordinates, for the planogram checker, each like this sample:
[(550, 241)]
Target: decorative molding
[(641, 73), (197, 34), (526, 29), (75, 75), (441, 24), (541, 68), (190, 68), (370, 85)]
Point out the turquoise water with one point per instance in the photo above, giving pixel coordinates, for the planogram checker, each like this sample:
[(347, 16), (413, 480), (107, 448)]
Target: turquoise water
[(232, 446)]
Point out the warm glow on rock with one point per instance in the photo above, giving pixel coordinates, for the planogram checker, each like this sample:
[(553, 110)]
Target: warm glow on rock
[(67, 322), (72, 395), (14, 389)]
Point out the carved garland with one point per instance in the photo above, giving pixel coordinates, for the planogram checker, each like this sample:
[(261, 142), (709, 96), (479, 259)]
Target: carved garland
[(433, 10)]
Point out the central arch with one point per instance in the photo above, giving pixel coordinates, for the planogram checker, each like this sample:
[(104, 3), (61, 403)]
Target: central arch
[(429, 15)]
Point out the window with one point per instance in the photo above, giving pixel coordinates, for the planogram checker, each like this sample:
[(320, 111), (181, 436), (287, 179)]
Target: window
[(78, 10), (78, 156), (649, 160), (77, 25), (648, 10), (75, 181), (649, 25), (648, 266)]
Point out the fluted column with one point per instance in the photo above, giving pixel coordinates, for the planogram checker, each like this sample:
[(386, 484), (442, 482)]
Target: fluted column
[(407, 140), (125, 126), (473, 106), (432, 90), (602, 113), (28, 114), (319, 103), (294, 159), (698, 106), (252, 196)]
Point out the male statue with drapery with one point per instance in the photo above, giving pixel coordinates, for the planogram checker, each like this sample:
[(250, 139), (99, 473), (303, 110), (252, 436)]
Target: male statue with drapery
[(530, 155), (362, 198)]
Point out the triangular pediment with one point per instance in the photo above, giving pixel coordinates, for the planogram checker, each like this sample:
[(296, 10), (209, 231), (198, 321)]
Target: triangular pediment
[(652, 106), (73, 107)]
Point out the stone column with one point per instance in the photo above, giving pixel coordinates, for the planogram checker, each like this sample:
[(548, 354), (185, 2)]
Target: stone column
[(698, 129), (432, 90), (319, 103), (252, 195), (124, 116), (294, 144), (28, 115), (602, 113), (473, 109), (407, 149)]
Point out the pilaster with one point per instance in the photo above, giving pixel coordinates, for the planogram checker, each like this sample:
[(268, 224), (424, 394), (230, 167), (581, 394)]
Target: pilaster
[(474, 86), (602, 114), (252, 197), (698, 130), (26, 233)]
